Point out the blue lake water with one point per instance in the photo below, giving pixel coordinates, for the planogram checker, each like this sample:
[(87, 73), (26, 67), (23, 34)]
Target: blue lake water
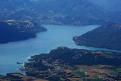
[(56, 36)]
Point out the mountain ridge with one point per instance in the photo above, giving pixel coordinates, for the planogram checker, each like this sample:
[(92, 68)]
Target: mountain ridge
[(107, 36)]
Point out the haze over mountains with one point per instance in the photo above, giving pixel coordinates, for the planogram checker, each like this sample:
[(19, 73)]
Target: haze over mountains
[(77, 12), (111, 5)]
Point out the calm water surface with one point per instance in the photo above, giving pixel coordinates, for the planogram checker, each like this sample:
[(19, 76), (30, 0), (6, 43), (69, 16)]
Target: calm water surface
[(44, 42)]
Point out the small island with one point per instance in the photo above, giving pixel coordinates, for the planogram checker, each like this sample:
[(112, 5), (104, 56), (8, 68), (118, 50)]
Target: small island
[(13, 30)]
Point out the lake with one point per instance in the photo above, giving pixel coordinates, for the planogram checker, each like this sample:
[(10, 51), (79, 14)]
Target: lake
[(56, 36)]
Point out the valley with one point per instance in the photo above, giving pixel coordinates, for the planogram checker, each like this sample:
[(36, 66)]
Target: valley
[(55, 36), (60, 40)]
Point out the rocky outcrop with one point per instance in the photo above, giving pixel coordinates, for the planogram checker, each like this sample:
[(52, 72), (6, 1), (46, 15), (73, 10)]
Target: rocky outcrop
[(62, 63), (74, 57), (65, 64)]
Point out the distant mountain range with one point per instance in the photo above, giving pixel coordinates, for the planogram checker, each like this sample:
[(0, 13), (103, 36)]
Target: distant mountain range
[(77, 12), (106, 36), (110, 5)]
